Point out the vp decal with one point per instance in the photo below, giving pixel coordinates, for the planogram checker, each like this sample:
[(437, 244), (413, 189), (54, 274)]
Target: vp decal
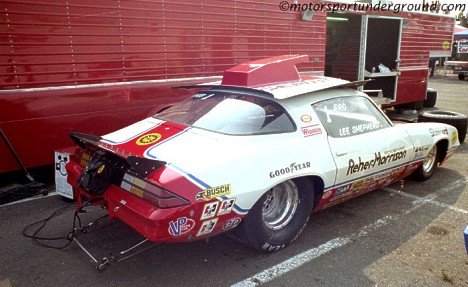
[(181, 226)]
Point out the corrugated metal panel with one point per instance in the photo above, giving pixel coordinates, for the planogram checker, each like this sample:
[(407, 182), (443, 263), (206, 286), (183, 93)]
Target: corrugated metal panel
[(50, 43), (422, 34)]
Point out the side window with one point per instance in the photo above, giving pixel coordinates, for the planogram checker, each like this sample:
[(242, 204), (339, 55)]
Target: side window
[(349, 116)]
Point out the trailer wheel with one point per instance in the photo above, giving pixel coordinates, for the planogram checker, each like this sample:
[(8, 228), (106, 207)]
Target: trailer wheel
[(278, 217), (103, 265), (431, 98), (461, 76), (459, 121)]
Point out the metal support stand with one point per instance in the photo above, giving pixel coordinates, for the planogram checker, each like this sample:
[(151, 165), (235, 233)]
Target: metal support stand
[(123, 255), (32, 187)]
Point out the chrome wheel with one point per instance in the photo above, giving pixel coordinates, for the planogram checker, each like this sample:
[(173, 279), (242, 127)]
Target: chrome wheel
[(430, 160), (280, 205)]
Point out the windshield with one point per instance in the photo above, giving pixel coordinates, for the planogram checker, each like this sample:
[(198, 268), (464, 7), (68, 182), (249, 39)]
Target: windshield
[(230, 113)]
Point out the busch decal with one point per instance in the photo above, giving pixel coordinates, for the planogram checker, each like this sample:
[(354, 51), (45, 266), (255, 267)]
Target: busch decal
[(181, 226), (213, 192)]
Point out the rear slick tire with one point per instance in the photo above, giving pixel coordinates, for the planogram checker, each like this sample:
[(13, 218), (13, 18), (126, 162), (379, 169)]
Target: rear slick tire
[(279, 216)]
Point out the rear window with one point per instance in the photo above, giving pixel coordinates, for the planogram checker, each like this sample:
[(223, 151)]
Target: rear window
[(230, 113)]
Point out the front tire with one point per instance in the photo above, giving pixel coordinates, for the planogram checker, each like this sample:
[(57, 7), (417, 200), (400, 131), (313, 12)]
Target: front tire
[(428, 167), (279, 216)]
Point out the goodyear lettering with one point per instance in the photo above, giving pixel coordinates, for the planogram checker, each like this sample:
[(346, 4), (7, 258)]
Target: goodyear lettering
[(378, 160), (213, 192), (293, 167)]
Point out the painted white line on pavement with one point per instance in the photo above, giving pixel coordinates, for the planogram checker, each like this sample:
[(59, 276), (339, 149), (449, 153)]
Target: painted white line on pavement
[(430, 198), (53, 193), (292, 263), (309, 255), (297, 261)]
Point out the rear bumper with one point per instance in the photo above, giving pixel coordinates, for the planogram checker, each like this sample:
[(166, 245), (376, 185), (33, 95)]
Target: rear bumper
[(158, 225)]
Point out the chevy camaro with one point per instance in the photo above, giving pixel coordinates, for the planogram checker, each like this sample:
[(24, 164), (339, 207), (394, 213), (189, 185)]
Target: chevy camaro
[(254, 154)]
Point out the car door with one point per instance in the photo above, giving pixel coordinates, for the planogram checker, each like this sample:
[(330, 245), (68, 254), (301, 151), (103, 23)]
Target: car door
[(368, 150)]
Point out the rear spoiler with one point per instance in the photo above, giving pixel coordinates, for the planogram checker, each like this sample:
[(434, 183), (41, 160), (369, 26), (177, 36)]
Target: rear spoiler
[(142, 166)]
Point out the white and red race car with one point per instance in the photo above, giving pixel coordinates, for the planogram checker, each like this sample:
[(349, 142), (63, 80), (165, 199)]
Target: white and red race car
[(255, 154)]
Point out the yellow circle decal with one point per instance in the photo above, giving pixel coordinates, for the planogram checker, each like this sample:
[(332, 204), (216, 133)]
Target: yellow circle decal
[(446, 45), (148, 139), (454, 137)]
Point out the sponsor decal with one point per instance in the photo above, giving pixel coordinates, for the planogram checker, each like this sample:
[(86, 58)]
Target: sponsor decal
[(290, 169), (378, 160), (341, 192), (438, 131), (213, 192), (209, 210), (207, 226), (231, 223), (226, 206), (327, 194), (454, 137), (311, 130), (148, 139), (421, 148), (306, 118), (181, 226), (420, 151), (357, 184)]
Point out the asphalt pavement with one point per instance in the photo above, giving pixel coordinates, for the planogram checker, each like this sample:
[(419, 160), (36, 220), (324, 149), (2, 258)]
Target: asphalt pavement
[(407, 234)]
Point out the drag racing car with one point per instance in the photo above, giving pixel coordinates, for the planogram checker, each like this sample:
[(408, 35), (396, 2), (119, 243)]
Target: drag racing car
[(254, 155)]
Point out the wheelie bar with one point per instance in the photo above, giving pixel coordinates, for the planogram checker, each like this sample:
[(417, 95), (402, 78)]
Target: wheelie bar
[(123, 255)]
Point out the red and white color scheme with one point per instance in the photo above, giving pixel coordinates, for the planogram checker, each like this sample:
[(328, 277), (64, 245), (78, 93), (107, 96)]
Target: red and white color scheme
[(95, 66), (256, 157)]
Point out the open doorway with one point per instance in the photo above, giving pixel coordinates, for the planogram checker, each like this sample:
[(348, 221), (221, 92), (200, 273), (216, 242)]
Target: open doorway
[(357, 44), (343, 46)]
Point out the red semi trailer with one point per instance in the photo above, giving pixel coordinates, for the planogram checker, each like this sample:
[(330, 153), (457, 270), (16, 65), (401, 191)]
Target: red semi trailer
[(95, 66)]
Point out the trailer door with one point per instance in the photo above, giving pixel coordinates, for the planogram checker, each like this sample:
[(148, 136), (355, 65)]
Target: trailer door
[(380, 44)]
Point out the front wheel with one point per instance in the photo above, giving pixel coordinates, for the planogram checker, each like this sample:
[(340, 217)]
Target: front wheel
[(429, 165), (279, 216)]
